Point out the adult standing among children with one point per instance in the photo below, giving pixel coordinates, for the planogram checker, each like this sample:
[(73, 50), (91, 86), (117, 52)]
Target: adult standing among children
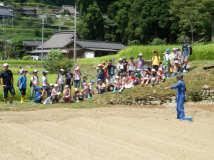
[(181, 89), (7, 77), (33, 84), (185, 51), (60, 80)]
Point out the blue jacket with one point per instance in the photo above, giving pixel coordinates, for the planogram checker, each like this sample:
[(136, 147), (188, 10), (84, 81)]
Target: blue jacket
[(37, 96), (181, 89)]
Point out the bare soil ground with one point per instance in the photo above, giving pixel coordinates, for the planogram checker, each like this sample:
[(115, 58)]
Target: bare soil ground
[(117, 133)]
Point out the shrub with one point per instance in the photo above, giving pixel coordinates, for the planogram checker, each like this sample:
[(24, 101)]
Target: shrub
[(181, 38), (37, 32), (158, 41), (26, 58), (55, 60)]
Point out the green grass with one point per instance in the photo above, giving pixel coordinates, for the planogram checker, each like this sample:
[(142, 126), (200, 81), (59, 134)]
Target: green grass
[(200, 52), (21, 62)]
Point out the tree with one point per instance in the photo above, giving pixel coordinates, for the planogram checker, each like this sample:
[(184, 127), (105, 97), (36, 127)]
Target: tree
[(20, 49), (65, 12), (11, 50), (192, 13), (92, 25)]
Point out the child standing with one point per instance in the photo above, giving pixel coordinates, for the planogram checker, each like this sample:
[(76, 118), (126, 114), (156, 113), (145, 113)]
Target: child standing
[(77, 77), (60, 80), (83, 82), (69, 77), (45, 84), (100, 72), (140, 61), (67, 94), (34, 83), (166, 63), (39, 96), (125, 64), (22, 85), (131, 66), (178, 55), (120, 68), (155, 61)]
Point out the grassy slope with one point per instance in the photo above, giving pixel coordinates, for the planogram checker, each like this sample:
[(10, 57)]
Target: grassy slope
[(194, 80), (21, 62), (200, 52)]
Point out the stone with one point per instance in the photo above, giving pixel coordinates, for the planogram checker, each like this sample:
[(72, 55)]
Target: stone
[(212, 91), (173, 101), (205, 87), (133, 101), (143, 102), (139, 102), (173, 98), (155, 102), (167, 101)]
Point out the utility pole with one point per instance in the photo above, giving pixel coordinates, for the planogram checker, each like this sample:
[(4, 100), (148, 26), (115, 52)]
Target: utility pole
[(213, 27), (46, 14), (5, 52), (75, 35), (3, 23), (37, 10), (42, 35), (12, 16), (59, 24)]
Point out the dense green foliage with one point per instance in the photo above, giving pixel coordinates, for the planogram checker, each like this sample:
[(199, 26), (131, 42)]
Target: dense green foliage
[(200, 52), (143, 20), (26, 58), (55, 60)]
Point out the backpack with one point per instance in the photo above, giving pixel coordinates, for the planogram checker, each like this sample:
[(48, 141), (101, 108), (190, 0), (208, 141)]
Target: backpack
[(189, 48), (18, 81), (33, 79)]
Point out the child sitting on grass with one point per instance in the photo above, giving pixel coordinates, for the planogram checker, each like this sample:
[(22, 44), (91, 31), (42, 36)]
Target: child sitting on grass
[(160, 75), (85, 91), (126, 81), (39, 96), (175, 68), (55, 94), (138, 76), (132, 79), (76, 95), (117, 85), (109, 83), (100, 87), (153, 77), (67, 94), (145, 77), (186, 67), (90, 88), (22, 85)]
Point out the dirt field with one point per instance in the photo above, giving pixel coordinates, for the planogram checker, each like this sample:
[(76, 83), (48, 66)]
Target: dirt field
[(107, 133)]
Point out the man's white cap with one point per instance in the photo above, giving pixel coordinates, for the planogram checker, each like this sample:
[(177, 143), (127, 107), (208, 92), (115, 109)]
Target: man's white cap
[(120, 59), (56, 85), (35, 71), (140, 54), (116, 76), (67, 86), (61, 70), (5, 64), (51, 84), (153, 70), (160, 69), (176, 61), (75, 89), (174, 49)]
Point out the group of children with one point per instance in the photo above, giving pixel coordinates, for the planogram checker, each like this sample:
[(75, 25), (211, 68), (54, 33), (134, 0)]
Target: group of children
[(129, 74)]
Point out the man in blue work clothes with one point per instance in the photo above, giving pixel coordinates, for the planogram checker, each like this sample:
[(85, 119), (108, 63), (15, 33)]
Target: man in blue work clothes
[(181, 89), (185, 52)]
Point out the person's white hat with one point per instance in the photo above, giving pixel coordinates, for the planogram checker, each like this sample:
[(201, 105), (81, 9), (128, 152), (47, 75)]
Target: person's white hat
[(116, 76), (160, 69), (177, 48), (61, 70), (56, 85), (5, 64), (99, 65), (176, 61), (153, 70), (67, 86), (120, 59), (174, 49), (75, 89), (140, 54), (51, 84), (35, 71)]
